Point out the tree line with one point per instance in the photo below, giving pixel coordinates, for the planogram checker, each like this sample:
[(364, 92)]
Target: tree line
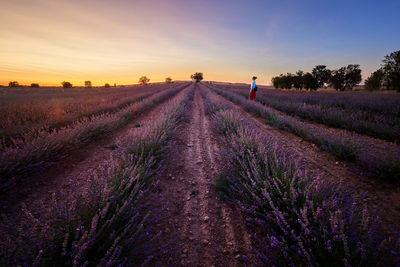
[(344, 78)]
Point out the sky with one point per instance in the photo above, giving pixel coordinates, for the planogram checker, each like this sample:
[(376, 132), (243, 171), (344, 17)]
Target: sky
[(117, 41)]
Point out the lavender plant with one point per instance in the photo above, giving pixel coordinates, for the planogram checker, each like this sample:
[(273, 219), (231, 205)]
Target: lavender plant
[(380, 164), (111, 224), (297, 219), (364, 122), (34, 155)]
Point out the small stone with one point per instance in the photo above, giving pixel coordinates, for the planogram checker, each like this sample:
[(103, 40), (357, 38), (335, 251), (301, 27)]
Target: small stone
[(337, 162), (189, 145), (229, 244), (199, 162), (185, 250), (205, 242), (206, 218), (173, 177), (239, 257)]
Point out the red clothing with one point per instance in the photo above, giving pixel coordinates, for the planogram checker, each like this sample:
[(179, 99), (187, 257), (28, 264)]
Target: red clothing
[(252, 95)]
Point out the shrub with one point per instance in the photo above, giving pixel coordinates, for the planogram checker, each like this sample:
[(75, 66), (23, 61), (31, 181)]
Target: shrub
[(34, 85), (13, 84), (144, 80), (88, 84), (66, 84), (168, 80), (107, 85), (198, 76)]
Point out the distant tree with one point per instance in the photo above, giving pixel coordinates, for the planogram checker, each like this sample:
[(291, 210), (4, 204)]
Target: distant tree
[(374, 82), (287, 81), (168, 80), (298, 82), (88, 84), (34, 85), (198, 76), (144, 80), (391, 69), (13, 84), (107, 85), (322, 74), (353, 76), (276, 81), (310, 82), (338, 79), (66, 84)]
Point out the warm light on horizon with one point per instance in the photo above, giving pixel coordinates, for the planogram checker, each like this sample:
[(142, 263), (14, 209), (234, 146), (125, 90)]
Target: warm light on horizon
[(47, 42)]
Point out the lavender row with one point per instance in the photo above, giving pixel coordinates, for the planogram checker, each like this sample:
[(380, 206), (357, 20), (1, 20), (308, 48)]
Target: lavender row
[(363, 122), (30, 120), (382, 163), (373, 103), (32, 114), (296, 219), (111, 225), (36, 154)]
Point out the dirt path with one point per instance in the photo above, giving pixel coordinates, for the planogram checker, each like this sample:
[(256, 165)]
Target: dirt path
[(67, 176), (380, 196), (208, 232)]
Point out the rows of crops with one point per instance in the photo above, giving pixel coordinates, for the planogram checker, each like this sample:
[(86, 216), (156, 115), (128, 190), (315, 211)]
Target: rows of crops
[(44, 148), (23, 114), (110, 224), (381, 162), (296, 219), (376, 115)]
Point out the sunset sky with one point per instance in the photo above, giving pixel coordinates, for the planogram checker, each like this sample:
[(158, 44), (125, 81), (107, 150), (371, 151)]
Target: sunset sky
[(49, 41)]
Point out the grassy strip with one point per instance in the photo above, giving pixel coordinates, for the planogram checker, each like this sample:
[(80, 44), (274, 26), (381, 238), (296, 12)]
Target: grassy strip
[(385, 165), (110, 226), (296, 219), (360, 122), (17, 163)]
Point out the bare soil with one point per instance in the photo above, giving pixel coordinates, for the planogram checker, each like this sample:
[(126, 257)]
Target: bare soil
[(208, 232), (378, 195)]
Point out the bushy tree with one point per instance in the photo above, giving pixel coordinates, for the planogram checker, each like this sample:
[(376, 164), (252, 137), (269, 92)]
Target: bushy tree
[(36, 85), (353, 76), (374, 82), (13, 84), (66, 84), (144, 80), (168, 80), (391, 69), (287, 81), (88, 84), (321, 74), (338, 79), (198, 76), (107, 85), (310, 82), (298, 82), (276, 81)]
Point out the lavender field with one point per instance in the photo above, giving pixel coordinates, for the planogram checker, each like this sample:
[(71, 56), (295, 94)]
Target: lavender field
[(150, 175)]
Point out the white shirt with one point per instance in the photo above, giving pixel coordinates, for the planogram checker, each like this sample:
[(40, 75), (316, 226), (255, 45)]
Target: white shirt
[(253, 85)]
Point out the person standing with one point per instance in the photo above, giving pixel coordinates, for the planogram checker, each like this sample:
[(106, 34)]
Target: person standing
[(253, 89)]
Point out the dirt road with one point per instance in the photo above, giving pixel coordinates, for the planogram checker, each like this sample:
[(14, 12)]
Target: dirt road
[(208, 232)]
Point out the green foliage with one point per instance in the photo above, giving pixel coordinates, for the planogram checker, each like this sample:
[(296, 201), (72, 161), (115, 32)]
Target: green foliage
[(298, 81), (310, 82), (198, 76), (374, 82), (391, 68), (66, 84), (338, 79), (346, 77), (144, 80), (321, 74)]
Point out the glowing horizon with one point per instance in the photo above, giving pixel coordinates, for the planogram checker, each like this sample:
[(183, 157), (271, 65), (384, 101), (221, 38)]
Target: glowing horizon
[(47, 41)]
